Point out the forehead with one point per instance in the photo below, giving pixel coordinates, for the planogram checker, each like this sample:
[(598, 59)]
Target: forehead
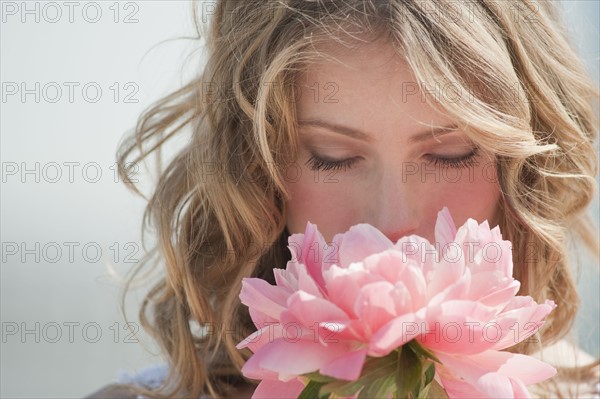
[(372, 58), (366, 85)]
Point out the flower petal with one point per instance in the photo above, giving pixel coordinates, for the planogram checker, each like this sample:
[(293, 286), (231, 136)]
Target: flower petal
[(395, 333), (395, 267), (458, 327), (308, 310), (360, 241), (261, 337), (291, 358), (445, 229), (493, 292), (420, 251), (263, 297), (346, 367), (343, 284), (446, 274), (305, 244), (521, 318), (375, 305), (275, 389), (492, 374)]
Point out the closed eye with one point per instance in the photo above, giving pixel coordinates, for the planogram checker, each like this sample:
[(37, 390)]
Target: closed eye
[(318, 163), (464, 161)]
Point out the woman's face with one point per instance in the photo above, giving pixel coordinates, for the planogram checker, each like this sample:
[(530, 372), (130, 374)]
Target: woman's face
[(367, 153)]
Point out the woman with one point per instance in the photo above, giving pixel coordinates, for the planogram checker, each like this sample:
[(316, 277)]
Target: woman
[(378, 111)]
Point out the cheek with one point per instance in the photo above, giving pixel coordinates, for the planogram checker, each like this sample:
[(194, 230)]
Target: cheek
[(475, 195), (334, 202), (323, 198)]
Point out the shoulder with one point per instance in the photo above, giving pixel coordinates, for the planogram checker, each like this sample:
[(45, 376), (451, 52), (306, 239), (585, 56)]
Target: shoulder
[(579, 372), (149, 377), (124, 388), (565, 354), (113, 391)]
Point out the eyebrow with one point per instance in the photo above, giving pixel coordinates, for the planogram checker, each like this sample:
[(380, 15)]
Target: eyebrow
[(424, 135)]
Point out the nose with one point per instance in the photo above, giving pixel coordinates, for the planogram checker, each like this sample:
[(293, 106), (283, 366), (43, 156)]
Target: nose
[(395, 208)]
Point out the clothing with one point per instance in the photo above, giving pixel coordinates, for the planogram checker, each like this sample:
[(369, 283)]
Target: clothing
[(559, 354), (148, 377), (563, 354)]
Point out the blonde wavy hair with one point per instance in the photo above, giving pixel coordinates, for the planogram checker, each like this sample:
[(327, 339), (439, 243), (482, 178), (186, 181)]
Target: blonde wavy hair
[(219, 207)]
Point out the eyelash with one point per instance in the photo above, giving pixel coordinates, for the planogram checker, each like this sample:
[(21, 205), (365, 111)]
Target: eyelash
[(316, 163), (466, 161)]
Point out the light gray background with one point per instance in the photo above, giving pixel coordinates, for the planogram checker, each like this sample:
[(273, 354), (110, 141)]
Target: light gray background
[(78, 290)]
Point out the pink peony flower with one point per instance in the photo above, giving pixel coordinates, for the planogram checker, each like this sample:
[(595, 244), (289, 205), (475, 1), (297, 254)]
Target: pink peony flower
[(362, 296)]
